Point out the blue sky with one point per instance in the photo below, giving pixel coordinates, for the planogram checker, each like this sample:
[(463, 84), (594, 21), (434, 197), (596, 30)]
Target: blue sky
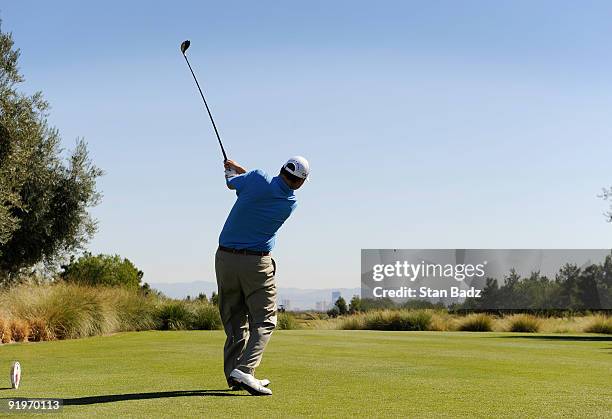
[(428, 124)]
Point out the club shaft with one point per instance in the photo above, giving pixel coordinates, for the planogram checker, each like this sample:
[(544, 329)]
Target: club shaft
[(207, 108)]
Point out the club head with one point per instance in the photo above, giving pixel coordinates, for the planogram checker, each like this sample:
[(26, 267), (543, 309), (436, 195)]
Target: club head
[(184, 46)]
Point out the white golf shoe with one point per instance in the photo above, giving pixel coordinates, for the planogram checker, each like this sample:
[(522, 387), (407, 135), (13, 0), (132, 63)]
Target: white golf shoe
[(235, 385), (251, 384)]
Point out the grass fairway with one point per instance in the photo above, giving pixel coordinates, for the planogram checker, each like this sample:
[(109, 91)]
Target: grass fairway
[(323, 374)]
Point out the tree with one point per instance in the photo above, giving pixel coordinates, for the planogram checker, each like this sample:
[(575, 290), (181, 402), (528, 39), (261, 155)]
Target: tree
[(567, 280), (43, 197), (605, 283), (507, 293), (490, 294), (355, 304), (214, 299), (341, 304), (146, 289), (103, 270), (607, 195), (333, 312), (587, 287)]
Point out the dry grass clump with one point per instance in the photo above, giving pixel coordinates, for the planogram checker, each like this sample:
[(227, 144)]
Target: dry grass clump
[(599, 324), (20, 330), (525, 323), (353, 322), (6, 335), (40, 331), (65, 311), (480, 322), (441, 321), (388, 320)]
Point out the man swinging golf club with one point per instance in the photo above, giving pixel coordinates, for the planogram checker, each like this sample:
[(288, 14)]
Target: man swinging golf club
[(245, 269)]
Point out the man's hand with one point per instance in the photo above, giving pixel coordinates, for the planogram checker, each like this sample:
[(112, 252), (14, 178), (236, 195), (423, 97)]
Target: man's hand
[(231, 164)]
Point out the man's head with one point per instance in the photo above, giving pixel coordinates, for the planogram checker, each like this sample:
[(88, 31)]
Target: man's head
[(295, 172)]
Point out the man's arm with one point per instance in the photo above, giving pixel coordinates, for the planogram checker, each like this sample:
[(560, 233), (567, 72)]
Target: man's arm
[(230, 164)]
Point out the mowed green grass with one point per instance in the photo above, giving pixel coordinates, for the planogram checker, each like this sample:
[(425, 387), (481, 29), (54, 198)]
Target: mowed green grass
[(324, 374)]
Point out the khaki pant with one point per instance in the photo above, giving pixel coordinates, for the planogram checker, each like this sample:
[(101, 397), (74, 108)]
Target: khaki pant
[(247, 303)]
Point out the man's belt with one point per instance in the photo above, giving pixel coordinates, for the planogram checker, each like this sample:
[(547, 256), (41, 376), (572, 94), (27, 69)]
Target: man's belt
[(244, 251)]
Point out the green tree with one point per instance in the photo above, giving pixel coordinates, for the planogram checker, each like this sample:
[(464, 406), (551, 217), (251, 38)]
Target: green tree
[(490, 294), (567, 278), (355, 304), (587, 287), (333, 312), (605, 283), (214, 299), (43, 197), (507, 293), (607, 195), (103, 270), (146, 289), (341, 304)]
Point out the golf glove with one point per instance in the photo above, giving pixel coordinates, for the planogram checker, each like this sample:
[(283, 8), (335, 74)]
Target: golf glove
[(230, 173)]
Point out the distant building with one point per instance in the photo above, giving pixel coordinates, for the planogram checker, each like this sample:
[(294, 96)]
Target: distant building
[(335, 296), (286, 303), (322, 306)]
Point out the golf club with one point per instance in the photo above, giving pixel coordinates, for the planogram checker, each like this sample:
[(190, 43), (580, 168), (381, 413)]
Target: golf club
[(184, 46)]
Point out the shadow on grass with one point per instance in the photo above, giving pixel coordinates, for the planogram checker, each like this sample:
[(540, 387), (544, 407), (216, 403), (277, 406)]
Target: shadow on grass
[(6, 388), (111, 398), (561, 338)]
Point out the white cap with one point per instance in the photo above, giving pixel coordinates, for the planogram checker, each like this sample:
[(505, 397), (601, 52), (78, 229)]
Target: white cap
[(298, 166)]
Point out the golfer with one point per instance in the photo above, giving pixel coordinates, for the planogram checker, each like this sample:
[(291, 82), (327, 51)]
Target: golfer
[(245, 268)]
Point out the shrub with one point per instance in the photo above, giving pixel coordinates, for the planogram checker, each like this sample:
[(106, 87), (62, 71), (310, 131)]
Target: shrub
[(476, 323), (174, 315), (600, 324), (206, 316), (20, 330), (286, 321), (524, 323)]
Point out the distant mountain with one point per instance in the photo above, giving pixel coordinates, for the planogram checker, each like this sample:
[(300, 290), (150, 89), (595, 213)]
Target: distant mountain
[(299, 299), (183, 289)]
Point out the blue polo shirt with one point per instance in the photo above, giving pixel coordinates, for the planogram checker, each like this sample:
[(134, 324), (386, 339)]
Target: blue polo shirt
[(263, 205)]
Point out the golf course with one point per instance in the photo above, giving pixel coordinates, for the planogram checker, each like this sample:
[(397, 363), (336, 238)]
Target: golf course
[(322, 209), (318, 373)]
